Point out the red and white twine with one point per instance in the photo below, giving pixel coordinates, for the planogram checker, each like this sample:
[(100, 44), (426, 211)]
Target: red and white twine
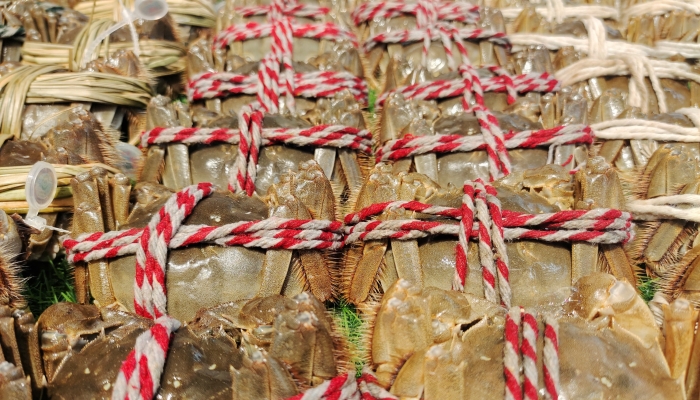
[(551, 358), (139, 375), (521, 334), (409, 145), (528, 348), (511, 355), (252, 132), (318, 136)]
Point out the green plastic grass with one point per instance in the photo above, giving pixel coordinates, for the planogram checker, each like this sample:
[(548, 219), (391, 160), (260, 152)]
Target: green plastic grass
[(351, 325), (647, 288), (371, 100), (48, 282)]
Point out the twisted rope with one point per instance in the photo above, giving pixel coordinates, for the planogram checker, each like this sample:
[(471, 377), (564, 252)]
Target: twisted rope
[(409, 145), (492, 227), (319, 136), (551, 358), (440, 89), (529, 351), (511, 355), (520, 321)]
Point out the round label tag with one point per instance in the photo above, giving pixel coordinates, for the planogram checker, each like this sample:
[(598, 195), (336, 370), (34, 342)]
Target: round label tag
[(41, 185)]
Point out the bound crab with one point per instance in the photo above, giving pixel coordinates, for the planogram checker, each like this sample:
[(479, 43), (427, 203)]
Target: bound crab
[(73, 141), (310, 77), (406, 243), (209, 152), (266, 348), (633, 102), (452, 95), (219, 273), (602, 342)]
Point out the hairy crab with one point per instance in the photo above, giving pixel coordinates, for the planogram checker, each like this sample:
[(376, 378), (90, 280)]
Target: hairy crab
[(451, 345), (540, 272), (72, 138), (266, 348), (178, 165), (319, 83), (222, 274)]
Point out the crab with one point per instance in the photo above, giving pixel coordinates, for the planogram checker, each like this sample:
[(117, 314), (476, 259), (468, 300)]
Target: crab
[(451, 345), (73, 137), (539, 272), (345, 168), (266, 348), (214, 162), (609, 97), (397, 63), (235, 272)]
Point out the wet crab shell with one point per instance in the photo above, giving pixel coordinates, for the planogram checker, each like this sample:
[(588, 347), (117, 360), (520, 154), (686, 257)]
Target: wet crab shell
[(540, 272), (609, 353), (205, 275), (177, 165), (266, 348)]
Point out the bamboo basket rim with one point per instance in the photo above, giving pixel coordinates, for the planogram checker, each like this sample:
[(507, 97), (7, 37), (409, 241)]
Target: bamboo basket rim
[(45, 84), (160, 57)]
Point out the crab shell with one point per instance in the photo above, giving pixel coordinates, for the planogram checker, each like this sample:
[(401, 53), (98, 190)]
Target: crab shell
[(201, 276), (539, 272), (380, 59), (215, 163), (608, 345), (266, 348)]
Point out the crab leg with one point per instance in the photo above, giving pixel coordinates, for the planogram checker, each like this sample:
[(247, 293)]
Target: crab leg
[(679, 329), (276, 266), (597, 185), (121, 189), (102, 181), (325, 157), (88, 218), (28, 345), (351, 169), (152, 165)]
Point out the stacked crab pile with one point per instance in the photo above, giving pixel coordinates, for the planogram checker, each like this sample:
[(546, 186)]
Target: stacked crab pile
[(530, 166), (77, 101)]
